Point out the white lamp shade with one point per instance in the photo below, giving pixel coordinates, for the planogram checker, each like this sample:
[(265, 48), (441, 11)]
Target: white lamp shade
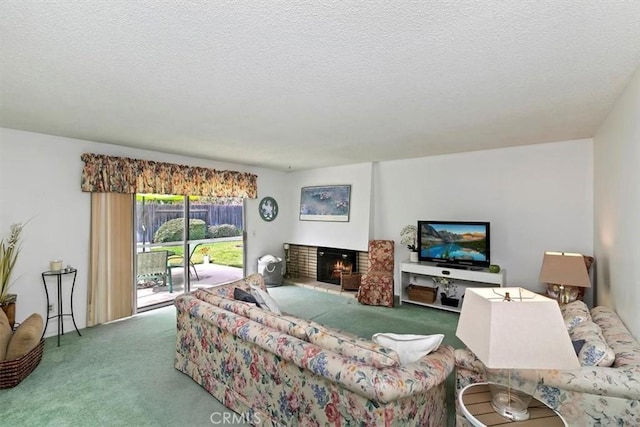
[(527, 332)]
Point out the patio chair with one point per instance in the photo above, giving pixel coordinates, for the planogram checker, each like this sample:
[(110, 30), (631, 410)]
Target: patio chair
[(152, 266), (178, 261)]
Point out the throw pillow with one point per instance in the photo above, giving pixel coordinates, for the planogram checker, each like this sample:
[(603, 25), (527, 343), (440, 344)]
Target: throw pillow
[(5, 334), (26, 337), (240, 295), (287, 324), (577, 345), (410, 348), (257, 296), (595, 351), (269, 302)]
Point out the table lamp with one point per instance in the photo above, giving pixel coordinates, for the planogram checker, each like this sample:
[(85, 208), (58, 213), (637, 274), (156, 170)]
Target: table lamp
[(514, 329), (565, 270)]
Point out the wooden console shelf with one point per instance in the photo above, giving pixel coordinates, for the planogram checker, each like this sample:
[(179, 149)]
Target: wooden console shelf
[(421, 274)]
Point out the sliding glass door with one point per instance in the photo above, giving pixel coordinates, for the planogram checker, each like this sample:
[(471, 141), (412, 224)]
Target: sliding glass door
[(202, 252)]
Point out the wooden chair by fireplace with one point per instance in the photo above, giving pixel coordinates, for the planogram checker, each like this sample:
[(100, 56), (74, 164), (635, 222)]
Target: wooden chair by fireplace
[(376, 285)]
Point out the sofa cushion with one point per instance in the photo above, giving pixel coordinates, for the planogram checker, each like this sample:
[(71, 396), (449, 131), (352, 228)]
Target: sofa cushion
[(5, 334), (362, 350), (595, 351), (26, 337), (286, 324), (410, 348), (575, 313)]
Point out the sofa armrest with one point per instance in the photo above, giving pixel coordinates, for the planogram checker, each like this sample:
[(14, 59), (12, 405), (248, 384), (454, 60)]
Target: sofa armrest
[(382, 384), (413, 378), (466, 359), (604, 381), (614, 382)]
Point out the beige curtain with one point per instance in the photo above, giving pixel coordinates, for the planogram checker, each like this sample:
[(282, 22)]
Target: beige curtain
[(113, 183), (111, 258)]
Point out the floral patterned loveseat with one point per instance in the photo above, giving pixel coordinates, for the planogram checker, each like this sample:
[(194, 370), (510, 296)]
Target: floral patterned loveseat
[(282, 370), (604, 391)]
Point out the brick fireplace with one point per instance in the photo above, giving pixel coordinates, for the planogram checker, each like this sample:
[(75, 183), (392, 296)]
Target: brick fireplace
[(304, 262), (332, 262)]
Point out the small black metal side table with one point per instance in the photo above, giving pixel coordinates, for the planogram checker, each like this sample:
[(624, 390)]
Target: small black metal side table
[(60, 316)]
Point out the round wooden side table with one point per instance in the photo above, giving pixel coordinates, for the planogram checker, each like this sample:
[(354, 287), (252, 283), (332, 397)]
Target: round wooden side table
[(475, 403)]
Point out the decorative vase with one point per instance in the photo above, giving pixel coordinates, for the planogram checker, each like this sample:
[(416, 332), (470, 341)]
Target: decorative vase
[(413, 256), (9, 308), (205, 259)]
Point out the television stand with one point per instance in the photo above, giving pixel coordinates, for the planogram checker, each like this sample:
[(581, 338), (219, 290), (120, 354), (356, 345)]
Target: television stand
[(422, 274), (456, 266)]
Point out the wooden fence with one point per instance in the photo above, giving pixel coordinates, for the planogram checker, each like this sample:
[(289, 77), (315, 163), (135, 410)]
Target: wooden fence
[(152, 215)]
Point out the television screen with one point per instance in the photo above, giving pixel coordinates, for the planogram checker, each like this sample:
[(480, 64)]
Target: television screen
[(454, 243)]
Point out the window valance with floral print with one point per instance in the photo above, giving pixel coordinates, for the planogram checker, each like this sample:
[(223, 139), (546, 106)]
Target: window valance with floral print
[(109, 174)]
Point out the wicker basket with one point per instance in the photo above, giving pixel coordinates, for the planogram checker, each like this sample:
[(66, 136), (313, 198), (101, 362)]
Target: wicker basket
[(12, 372), (350, 281), (423, 294)]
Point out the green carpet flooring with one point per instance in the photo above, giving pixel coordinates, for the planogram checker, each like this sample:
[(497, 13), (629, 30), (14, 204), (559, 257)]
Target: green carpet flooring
[(121, 374)]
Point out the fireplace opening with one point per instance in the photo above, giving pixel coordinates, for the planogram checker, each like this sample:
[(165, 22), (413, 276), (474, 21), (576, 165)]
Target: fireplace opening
[(332, 262)]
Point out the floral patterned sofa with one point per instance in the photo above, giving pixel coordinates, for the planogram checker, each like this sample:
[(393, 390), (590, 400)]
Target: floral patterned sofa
[(281, 370), (604, 391)]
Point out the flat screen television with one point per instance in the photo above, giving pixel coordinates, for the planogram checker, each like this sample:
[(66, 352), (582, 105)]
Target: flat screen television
[(454, 243)]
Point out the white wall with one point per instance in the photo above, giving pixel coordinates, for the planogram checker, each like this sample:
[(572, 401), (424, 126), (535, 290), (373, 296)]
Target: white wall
[(537, 198), (347, 235), (40, 182), (617, 207)]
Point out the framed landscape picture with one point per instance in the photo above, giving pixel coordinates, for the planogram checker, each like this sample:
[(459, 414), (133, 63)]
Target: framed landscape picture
[(325, 203)]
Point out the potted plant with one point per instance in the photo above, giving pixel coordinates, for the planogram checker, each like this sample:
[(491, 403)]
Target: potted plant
[(409, 237), (449, 296), (205, 254), (9, 251)]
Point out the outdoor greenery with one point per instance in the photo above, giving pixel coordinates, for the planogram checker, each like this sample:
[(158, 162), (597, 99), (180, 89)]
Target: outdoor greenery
[(172, 230), (224, 230), (222, 253)]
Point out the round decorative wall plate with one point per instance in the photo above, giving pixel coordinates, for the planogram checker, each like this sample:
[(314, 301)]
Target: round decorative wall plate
[(268, 208)]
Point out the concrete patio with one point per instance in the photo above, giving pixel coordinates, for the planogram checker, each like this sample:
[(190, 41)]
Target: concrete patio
[(208, 274)]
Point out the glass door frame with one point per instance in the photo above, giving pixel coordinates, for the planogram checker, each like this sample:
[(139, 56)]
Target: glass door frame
[(186, 245)]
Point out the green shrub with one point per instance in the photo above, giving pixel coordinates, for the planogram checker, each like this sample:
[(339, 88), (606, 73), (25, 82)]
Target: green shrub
[(224, 230), (172, 230)]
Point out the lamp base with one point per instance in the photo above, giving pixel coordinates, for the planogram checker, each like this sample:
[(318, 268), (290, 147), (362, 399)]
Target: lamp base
[(511, 404), (512, 391)]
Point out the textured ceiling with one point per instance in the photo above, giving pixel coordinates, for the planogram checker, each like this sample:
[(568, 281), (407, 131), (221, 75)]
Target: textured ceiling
[(297, 85)]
